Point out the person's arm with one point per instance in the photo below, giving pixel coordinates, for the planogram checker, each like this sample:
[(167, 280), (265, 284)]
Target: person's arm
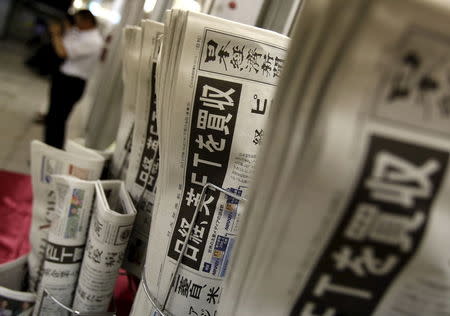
[(57, 40)]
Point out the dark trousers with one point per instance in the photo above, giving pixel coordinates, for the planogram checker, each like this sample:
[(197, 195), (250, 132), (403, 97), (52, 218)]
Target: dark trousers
[(65, 91)]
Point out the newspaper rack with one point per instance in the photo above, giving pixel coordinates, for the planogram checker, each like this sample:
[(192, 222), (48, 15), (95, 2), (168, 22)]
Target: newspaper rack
[(161, 308), (75, 312)]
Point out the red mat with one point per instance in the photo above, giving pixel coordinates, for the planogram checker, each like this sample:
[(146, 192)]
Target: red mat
[(16, 199), (15, 214)]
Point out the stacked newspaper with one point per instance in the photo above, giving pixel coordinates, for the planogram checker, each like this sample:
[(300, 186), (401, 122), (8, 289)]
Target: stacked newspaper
[(352, 212), (144, 158), (66, 243), (131, 47), (215, 84), (109, 232), (47, 161)]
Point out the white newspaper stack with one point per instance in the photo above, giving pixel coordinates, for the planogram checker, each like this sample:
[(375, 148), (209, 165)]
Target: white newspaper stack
[(12, 281), (144, 159), (66, 243), (110, 229), (45, 162), (215, 84), (131, 47), (352, 211)]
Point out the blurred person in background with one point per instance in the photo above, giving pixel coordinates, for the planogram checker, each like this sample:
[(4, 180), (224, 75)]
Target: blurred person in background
[(80, 50), (44, 60)]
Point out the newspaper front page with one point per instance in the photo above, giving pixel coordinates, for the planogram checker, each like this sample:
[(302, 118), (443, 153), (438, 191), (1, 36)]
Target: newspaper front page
[(13, 301), (45, 162), (212, 126), (144, 158), (109, 232), (66, 243), (361, 230), (131, 47)]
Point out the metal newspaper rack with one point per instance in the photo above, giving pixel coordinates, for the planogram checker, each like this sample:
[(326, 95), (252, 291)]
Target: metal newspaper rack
[(161, 308), (75, 312)]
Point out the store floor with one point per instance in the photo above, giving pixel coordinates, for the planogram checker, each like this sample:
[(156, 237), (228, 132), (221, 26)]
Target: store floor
[(22, 94)]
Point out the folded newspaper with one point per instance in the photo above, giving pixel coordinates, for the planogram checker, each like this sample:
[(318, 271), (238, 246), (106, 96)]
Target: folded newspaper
[(78, 146), (352, 212), (13, 301), (66, 243), (215, 84), (45, 162), (131, 48), (144, 158), (109, 231)]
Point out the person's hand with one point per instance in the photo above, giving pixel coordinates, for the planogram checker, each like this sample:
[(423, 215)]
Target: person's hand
[(55, 29)]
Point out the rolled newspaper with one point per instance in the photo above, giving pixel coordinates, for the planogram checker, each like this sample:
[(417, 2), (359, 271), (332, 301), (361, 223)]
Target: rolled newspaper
[(110, 229), (66, 243), (45, 162)]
